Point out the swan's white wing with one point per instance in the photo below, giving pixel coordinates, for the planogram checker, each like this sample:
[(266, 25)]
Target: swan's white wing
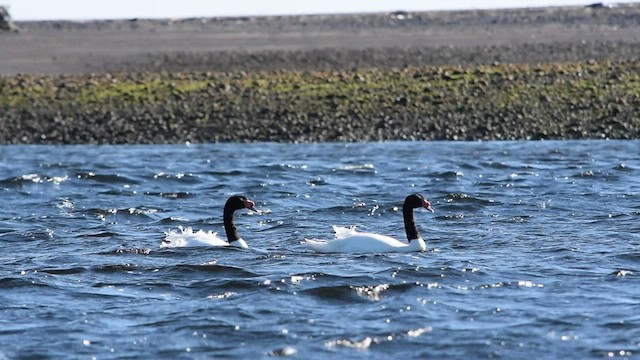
[(348, 240), (343, 232), (186, 237)]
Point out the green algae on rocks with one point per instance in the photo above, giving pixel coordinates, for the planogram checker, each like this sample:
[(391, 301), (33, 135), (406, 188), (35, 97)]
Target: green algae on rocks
[(574, 100)]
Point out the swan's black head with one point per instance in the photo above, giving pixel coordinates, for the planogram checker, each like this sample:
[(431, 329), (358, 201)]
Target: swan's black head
[(238, 202), (234, 203), (415, 201)]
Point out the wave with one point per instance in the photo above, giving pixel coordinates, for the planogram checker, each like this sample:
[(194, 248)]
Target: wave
[(20, 282), (498, 165), (67, 271), (507, 284), (21, 237), (446, 175), (115, 268), (621, 273), (27, 179), (99, 234), (282, 168), (225, 173), (365, 342), (135, 251), (179, 178), (214, 287), (623, 167), (463, 198), (171, 195), (106, 178), (317, 182), (366, 167), (211, 269), (633, 257), (585, 174), (138, 214), (357, 293)]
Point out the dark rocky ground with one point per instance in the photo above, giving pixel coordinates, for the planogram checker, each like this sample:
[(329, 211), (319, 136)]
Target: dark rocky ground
[(345, 43)]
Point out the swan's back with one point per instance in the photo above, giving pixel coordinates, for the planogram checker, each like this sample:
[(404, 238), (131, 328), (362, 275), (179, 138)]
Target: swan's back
[(348, 240), (186, 237)]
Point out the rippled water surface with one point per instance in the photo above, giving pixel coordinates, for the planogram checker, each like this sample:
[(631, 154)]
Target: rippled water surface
[(533, 251)]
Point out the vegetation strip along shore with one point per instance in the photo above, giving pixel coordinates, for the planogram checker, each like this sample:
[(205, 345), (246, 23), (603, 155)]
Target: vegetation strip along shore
[(562, 100)]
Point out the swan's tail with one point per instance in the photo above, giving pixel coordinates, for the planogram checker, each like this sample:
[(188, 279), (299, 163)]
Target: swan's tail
[(186, 237), (176, 238)]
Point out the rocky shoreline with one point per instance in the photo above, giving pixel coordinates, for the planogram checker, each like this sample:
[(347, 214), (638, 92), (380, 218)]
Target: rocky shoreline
[(595, 100), (551, 73)]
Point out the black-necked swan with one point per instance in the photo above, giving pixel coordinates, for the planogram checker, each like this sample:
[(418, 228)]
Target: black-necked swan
[(187, 237), (348, 240)]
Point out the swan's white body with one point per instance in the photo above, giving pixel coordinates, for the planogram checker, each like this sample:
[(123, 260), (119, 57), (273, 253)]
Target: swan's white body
[(186, 237), (349, 240)]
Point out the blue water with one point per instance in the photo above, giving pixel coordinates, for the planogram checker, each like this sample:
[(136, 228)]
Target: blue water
[(533, 251)]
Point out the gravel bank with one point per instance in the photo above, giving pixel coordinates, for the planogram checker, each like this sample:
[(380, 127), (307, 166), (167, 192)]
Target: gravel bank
[(558, 101)]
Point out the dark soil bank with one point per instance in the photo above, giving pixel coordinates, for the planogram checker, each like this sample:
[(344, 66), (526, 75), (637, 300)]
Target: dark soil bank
[(555, 73)]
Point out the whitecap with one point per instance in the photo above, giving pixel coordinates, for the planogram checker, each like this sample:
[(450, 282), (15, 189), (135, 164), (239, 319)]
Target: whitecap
[(371, 292), (360, 345)]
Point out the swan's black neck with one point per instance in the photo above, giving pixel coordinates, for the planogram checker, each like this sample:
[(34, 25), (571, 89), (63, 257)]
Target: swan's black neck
[(409, 223), (229, 226)]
